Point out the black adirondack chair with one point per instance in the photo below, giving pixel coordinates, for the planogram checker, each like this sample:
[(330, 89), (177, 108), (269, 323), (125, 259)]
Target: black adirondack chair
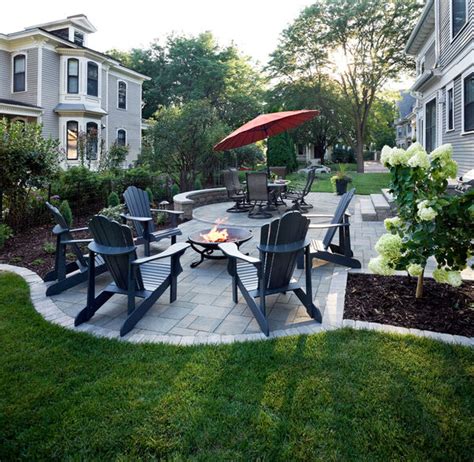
[(135, 277), (281, 241), (297, 196), (235, 192), (71, 274), (140, 214), (341, 253)]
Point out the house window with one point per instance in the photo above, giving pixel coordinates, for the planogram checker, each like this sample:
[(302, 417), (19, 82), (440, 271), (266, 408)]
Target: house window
[(91, 140), (72, 130), (73, 76), (92, 79), (121, 137), (19, 73), (449, 109), (469, 103), (78, 38), (122, 95), (458, 15), (430, 125)]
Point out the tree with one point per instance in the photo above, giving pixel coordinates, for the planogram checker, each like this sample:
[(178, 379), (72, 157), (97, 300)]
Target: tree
[(430, 222), (380, 125), (359, 42), (281, 151), (321, 93), (182, 139)]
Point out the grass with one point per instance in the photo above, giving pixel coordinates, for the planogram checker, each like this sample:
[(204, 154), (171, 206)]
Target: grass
[(342, 395), (365, 183)]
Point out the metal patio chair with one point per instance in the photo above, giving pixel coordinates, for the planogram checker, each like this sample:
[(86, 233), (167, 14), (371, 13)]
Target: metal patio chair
[(258, 195), (297, 196), (235, 192), (67, 275), (140, 214), (281, 242), (340, 253), (134, 277), (280, 172)]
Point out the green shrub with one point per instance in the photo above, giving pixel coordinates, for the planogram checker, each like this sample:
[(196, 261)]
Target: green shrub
[(49, 247), (150, 194), (113, 199), (139, 177), (281, 152), (197, 184), (113, 213), (174, 190), (66, 212), (5, 233), (342, 154)]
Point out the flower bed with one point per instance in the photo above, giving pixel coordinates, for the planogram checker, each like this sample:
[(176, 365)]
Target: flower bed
[(389, 300)]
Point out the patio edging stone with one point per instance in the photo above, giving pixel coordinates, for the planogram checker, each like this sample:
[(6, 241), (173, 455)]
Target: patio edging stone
[(332, 319)]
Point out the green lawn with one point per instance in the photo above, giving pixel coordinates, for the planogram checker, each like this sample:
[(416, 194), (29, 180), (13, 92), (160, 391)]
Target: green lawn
[(365, 183), (343, 395)]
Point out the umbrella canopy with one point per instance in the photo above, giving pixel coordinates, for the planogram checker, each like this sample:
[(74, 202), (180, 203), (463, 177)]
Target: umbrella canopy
[(263, 126)]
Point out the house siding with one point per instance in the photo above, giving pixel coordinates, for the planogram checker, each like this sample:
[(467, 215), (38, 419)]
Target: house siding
[(449, 50), (463, 145), (30, 96), (5, 82), (129, 119), (50, 93)]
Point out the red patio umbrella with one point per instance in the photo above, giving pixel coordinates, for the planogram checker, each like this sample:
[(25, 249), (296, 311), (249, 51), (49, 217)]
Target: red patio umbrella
[(263, 126)]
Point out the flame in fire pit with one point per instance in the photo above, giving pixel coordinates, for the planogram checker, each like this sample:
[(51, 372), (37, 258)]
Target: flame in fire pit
[(216, 234)]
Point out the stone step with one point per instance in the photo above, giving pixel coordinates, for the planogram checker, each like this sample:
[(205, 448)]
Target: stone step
[(381, 206), (390, 199), (367, 209)]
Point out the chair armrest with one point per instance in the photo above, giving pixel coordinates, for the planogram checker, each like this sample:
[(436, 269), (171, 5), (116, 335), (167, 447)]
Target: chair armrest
[(322, 215), (106, 250), (284, 248), (78, 229), (169, 252), (327, 225), (129, 217), (77, 241), (232, 251), (171, 212)]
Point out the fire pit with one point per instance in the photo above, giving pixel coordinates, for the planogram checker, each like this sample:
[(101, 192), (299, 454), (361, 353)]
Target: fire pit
[(205, 242)]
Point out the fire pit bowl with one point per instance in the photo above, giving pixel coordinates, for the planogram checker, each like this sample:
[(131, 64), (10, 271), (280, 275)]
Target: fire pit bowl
[(206, 248)]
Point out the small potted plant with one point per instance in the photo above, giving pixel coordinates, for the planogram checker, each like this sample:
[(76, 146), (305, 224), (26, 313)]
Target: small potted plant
[(341, 179)]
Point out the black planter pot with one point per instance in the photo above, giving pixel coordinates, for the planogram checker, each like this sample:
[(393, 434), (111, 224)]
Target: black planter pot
[(341, 187)]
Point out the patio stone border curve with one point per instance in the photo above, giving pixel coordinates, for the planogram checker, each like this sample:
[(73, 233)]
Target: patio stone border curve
[(332, 319), (189, 200)]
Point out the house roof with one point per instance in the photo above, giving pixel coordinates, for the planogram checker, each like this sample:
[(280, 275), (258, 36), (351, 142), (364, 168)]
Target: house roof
[(78, 20), (423, 29), (79, 108), (18, 103), (406, 104)]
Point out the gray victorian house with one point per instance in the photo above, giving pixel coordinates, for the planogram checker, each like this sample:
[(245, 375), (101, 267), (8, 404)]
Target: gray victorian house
[(49, 75), (442, 44)]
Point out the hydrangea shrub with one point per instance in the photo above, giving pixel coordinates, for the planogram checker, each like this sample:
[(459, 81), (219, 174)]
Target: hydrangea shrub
[(430, 223)]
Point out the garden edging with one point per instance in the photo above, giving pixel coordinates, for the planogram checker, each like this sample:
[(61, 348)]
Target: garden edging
[(332, 318)]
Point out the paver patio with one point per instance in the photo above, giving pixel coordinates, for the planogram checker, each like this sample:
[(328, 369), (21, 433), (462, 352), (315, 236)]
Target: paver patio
[(204, 306)]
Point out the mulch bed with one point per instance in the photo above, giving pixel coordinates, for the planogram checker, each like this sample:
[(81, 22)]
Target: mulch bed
[(391, 300)]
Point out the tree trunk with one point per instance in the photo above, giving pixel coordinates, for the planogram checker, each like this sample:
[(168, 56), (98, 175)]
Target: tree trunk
[(319, 150), (360, 153), (419, 286)]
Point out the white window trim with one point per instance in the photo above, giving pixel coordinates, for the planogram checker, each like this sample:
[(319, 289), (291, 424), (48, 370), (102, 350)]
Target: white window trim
[(451, 38), (450, 86), (77, 159), (99, 83), (78, 75), (13, 72), (126, 134), (467, 72), (433, 96), (126, 95)]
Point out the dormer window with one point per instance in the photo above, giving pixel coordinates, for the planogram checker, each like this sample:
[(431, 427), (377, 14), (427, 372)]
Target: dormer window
[(458, 16), (78, 38), (19, 73), (92, 79), (122, 95), (73, 76)]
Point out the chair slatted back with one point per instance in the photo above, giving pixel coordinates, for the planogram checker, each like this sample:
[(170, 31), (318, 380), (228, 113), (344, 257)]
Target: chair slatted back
[(229, 182), (279, 171), (138, 205), (257, 187), (309, 182), (292, 227), (235, 179), (63, 229), (114, 236), (338, 216)]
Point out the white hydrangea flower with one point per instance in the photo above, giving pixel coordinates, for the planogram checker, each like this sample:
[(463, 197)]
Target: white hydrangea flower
[(385, 155), (392, 223), (389, 246), (419, 159), (415, 147), (443, 152), (381, 265), (399, 157), (415, 269), (444, 276), (425, 212)]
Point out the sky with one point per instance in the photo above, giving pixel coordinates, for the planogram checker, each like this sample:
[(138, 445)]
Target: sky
[(254, 25)]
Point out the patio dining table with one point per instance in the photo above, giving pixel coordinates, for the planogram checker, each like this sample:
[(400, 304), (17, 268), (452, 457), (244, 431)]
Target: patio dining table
[(277, 187)]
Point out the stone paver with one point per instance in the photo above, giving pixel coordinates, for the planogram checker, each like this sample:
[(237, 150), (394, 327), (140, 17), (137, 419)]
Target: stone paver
[(204, 312)]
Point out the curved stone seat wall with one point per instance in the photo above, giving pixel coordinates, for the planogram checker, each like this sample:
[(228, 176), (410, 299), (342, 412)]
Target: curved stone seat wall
[(189, 200)]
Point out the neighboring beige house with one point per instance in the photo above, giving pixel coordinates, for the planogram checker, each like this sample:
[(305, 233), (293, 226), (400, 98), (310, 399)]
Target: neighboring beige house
[(405, 123), (49, 75), (442, 44)]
